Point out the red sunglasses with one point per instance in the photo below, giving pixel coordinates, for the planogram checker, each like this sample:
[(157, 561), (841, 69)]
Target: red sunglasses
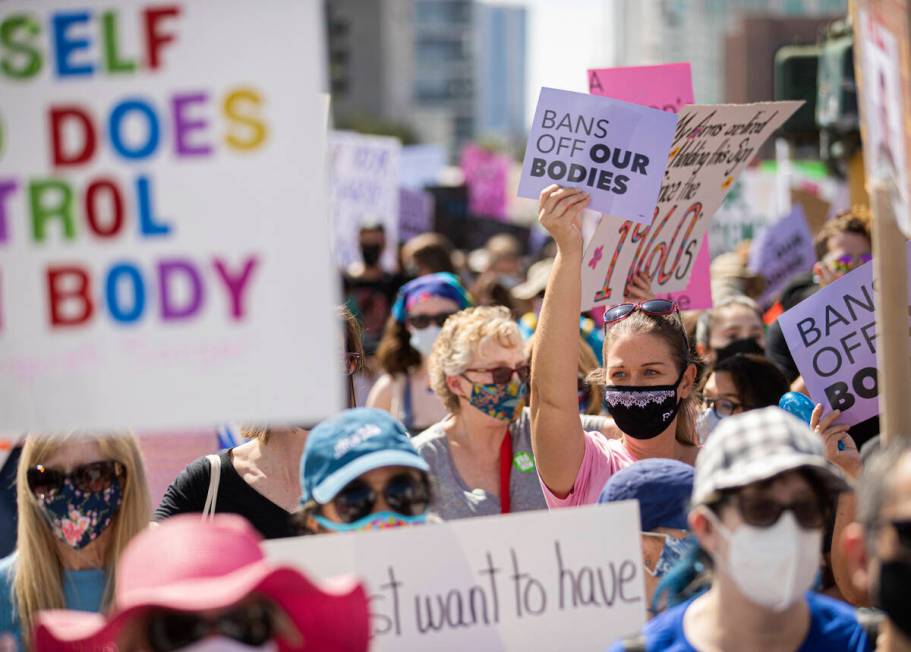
[(653, 307)]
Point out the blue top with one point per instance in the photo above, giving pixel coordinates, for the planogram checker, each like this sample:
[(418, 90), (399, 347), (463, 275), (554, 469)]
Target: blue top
[(833, 628), (83, 590)]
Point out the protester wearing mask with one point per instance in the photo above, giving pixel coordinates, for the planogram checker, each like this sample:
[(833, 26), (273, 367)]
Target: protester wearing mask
[(361, 472), (878, 545), (761, 494), (81, 498), (741, 382), (732, 326), (649, 375), (194, 587), (420, 310), (427, 253), (662, 489), (479, 455)]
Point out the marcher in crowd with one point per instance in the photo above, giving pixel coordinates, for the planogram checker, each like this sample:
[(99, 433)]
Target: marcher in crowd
[(734, 325), (427, 253), (761, 494), (360, 471), (649, 375), (191, 585), (878, 545), (81, 498), (663, 489), (420, 310)]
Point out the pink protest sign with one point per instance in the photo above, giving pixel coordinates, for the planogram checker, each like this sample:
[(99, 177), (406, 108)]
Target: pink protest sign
[(698, 294), (832, 336), (667, 87), (486, 174)]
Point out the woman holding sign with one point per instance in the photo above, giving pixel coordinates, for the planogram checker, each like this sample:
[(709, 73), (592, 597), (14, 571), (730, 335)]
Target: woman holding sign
[(648, 373)]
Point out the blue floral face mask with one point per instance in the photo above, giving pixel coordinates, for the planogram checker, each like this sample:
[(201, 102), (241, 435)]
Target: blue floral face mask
[(501, 402), (79, 517), (385, 520), (671, 553)]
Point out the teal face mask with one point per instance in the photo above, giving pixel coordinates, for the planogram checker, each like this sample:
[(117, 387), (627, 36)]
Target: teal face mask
[(376, 521)]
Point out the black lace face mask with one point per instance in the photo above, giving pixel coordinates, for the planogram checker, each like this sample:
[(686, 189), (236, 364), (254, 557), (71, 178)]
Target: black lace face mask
[(642, 412)]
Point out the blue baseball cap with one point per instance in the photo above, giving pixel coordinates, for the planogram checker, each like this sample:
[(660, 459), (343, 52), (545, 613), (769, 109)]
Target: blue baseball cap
[(348, 445), (662, 487)]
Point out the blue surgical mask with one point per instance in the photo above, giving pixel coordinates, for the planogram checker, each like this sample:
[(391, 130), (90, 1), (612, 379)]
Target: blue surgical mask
[(77, 518), (384, 520), (423, 339), (671, 553)]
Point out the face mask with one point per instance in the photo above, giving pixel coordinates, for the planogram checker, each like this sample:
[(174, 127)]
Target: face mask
[(891, 593), (376, 521), (225, 644), (772, 566), (746, 345), (78, 518), (501, 402), (422, 339), (371, 254), (671, 553), (642, 412), (706, 423)]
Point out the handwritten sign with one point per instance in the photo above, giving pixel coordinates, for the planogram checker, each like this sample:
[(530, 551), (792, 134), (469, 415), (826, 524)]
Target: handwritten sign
[(160, 217), (364, 178), (486, 175), (415, 213), (711, 147), (613, 150), (667, 87), (782, 251), (832, 337), (563, 580)]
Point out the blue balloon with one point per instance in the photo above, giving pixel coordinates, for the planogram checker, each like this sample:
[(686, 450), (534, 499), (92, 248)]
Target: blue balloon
[(797, 404)]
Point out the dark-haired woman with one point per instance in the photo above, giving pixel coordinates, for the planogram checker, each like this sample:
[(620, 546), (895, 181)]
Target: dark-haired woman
[(648, 373), (420, 310)]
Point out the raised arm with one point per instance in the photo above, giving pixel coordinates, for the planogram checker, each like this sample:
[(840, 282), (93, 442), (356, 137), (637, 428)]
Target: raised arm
[(557, 437)]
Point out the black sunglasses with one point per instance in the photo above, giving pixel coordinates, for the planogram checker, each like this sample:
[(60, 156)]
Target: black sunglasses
[(252, 624), (423, 321), (95, 477), (653, 307), (763, 512), (503, 375), (404, 493), (902, 529)]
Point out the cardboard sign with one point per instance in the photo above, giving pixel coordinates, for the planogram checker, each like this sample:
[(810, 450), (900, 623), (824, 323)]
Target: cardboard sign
[(421, 165), (160, 217), (781, 252), (613, 150), (832, 337), (667, 87), (569, 579), (415, 213), (711, 147), (697, 295), (364, 179), (486, 175)]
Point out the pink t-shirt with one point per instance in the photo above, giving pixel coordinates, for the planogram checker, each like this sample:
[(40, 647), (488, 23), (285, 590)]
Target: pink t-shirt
[(603, 457)]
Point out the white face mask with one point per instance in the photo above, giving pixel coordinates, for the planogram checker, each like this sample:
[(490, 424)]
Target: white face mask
[(422, 340), (706, 423), (224, 644), (772, 566)]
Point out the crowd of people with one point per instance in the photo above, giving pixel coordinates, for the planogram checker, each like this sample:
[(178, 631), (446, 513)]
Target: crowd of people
[(484, 392)]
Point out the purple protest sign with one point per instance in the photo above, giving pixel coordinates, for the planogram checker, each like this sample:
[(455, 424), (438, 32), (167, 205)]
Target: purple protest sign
[(415, 213), (667, 86), (832, 336), (486, 174), (614, 150), (782, 251)]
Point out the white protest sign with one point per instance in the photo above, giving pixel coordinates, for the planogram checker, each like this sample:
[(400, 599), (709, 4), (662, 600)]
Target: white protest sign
[(421, 165), (570, 579), (711, 146), (161, 203), (782, 251), (364, 178)]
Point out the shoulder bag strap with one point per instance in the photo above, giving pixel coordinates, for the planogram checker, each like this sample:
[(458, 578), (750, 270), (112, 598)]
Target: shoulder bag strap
[(208, 510)]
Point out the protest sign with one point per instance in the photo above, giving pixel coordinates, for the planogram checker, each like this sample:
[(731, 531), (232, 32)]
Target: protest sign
[(667, 87), (364, 178), (486, 175), (421, 165), (565, 580), (161, 217), (697, 295), (615, 151), (415, 213), (781, 252), (712, 145), (832, 337)]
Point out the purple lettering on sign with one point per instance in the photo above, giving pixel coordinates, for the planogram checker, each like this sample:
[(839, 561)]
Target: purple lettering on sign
[(185, 125)]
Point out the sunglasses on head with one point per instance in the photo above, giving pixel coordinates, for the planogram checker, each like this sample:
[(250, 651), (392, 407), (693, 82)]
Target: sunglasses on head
[(653, 307), (421, 322), (763, 511), (503, 375), (95, 477), (404, 493), (251, 624)]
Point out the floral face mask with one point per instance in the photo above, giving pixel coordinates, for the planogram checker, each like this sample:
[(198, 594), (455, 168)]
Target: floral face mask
[(502, 402), (79, 517)]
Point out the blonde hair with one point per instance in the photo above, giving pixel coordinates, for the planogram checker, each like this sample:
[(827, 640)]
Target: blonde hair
[(463, 334), (38, 575)]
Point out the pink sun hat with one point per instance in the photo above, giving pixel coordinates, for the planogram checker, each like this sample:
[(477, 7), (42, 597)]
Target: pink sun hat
[(186, 564)]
